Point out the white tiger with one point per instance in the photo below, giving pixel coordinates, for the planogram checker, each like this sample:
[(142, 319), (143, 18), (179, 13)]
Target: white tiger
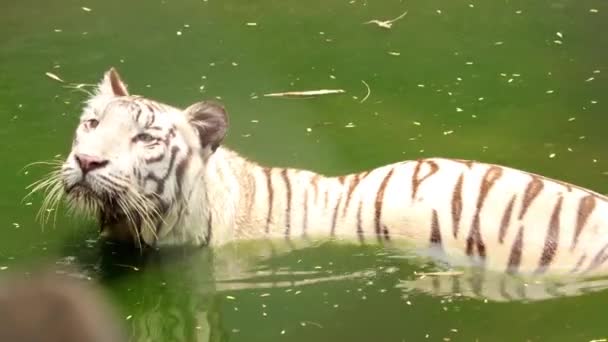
[(158, 175)]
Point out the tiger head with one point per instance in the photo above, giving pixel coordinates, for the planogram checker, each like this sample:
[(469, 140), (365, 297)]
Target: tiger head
[(132, 156)]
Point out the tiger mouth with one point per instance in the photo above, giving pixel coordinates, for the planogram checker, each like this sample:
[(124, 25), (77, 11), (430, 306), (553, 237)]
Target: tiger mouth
[(109, 211)]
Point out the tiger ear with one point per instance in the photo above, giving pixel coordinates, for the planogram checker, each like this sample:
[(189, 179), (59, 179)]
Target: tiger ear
[(111, 84), (210, 121)]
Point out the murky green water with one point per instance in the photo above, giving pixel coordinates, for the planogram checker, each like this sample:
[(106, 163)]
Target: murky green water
[(518, 83)]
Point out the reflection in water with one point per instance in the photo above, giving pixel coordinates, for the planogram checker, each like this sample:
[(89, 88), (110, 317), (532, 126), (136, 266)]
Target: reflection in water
[(185, 294)]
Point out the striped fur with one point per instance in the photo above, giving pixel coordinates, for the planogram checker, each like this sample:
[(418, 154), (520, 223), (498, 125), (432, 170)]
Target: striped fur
[(496, 217)]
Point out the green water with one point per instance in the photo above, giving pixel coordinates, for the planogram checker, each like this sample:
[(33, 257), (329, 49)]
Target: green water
[(519, 83)]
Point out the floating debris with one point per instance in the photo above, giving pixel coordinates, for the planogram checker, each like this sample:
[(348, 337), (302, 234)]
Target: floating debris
[(230, 297), (307, 93), (498, 43), (448, 132), (179, 33), (593, 10), (445, 273), (348, 125), (416, 123), (265, 295), (368, 91), (387, 24), (16, 225), (3, 268), (552, 155), (128, 266), (394, 53), (550, 91), (251, 24), (54, 77), (560, 35), (86, 9), (438, 11), (129, 317), (305, 323), (558, 42), (590, 79), (458, 109)]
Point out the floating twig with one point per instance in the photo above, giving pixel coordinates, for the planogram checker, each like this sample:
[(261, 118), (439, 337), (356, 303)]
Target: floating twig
[(53, 76), (446, 273), (369, 91), (307, 93), (387, 24), (304, 323)]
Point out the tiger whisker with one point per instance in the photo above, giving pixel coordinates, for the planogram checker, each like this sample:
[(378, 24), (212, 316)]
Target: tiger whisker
[(131, 223)]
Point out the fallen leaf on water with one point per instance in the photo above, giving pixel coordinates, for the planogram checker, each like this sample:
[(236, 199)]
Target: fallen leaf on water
[(53, 76), (307, 93)]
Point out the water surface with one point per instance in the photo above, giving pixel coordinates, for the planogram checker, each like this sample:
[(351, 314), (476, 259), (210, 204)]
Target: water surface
[(518, 83)]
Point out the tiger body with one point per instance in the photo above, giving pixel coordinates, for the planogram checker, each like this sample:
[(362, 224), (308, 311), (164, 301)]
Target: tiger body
[(463, 209), (157, 174)]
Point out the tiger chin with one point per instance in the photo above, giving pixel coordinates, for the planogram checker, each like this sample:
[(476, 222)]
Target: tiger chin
[(158, 175)]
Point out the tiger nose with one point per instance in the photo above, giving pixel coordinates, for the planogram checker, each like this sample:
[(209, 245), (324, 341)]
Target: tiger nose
[(89, 163)]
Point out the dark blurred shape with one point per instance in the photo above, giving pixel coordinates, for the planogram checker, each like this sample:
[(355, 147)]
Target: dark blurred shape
[(50, 307)]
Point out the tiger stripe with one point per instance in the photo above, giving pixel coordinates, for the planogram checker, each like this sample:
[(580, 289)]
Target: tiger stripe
[(360, 222), (305, 214), (457, 205), (416, 180), (269, 188), (598, 259), (353, 184), (314, 182), (532, 190), (334, 219), (585, 208), (435, 231), (506, 219), (550, 246), (378, 207), (475, 241), (288, 208), (516, 252)]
